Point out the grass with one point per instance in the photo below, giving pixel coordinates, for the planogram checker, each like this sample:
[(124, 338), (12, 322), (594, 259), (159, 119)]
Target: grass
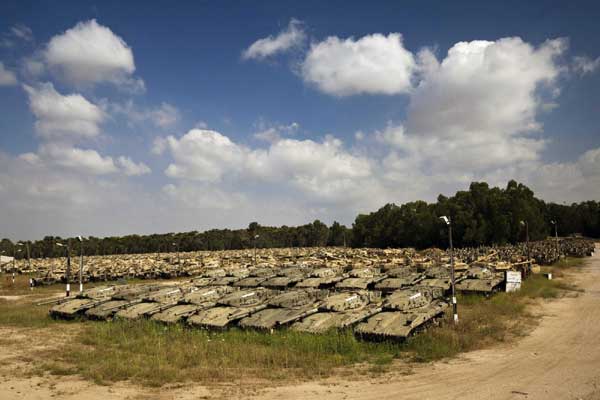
[(153, 354)]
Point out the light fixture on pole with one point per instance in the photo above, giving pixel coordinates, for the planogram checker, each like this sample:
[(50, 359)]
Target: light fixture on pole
[(454, 305), (68, 274), (553, 222), (255, 238), (80, 263), (526, 225)]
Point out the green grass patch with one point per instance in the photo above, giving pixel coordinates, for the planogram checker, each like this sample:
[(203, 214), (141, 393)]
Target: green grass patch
[(153, 354), (27, 315)]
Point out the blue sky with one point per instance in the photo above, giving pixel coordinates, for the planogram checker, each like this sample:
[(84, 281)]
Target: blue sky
[(159, 116)]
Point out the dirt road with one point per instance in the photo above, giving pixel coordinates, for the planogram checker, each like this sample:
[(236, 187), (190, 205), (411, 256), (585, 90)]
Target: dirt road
[(559, 359)]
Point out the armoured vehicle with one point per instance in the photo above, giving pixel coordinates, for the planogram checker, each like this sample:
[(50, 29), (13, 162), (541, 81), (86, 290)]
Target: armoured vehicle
[(71, 307), (360, 278), (481, 280), (285, 278), (193, 302), (399, 278), (256, 277), (232, 308), (285, 308), (232, 276), (153, 303), (321, 278), (398, 325), (341, 310)]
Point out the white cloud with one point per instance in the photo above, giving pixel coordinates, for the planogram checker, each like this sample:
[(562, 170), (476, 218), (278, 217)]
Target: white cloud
[(585, 65), (63, 116), (130, 168), (320, 170), (292, 36), (7, 77), (476, 109), (203, 155), (373, 64), (90, 53), (81, 160)]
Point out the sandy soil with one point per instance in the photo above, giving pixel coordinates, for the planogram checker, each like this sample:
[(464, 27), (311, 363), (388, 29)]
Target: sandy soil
[(559, 359)]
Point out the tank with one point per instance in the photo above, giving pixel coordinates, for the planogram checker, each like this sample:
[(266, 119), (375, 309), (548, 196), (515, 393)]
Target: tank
[(398, 325), (232, 308), (360, 278), (481, 280), (285, 308), (256, 277), (152, 303), (285, 278), (321, 278), (340, 311), (191, 303), (398, 279)]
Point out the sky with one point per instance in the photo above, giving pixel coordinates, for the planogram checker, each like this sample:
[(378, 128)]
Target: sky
[(151, 117)]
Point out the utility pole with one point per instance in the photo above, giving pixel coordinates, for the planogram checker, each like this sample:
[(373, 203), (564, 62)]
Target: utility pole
[(524, 223), (255, 238), (68, 274), (80, 264), (553, 222), (454, 305)]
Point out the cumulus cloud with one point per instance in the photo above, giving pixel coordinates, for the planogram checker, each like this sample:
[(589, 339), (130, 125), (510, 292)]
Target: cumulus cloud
[(273, 132), (66, 156), (323, 170), (373, 64), (63, 116), (90, 53), (130, 168), (292, 36), (476, 109), (7, 78)]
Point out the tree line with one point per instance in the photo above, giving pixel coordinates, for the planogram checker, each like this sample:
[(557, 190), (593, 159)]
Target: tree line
[(480, 216)]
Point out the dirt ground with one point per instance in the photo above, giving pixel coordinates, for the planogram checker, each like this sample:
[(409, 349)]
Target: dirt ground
[(559, 359)]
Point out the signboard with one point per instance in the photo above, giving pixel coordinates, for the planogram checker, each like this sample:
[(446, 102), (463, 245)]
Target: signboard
[(513, 281)]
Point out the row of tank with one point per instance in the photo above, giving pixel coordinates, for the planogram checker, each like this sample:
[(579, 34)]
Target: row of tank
[(172, 265), (373, 314)]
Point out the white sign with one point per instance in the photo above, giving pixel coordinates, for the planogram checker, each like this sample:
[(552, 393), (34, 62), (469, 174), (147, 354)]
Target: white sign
[(513, 281)]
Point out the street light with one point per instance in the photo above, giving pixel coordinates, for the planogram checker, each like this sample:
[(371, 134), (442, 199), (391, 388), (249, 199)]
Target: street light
[(454, 305), (80, 264), (68, 275), (553, 222), (526, 225), (255, 238), (176, 244)]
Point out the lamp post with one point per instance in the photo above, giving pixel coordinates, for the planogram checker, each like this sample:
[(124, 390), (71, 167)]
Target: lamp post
[(68, 274), (454, 305), (255, 238), (80, 264), (176, 244), (526, 225), (553, 222)]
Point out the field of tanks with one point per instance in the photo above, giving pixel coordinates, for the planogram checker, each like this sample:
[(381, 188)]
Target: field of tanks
[(381, 294)]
